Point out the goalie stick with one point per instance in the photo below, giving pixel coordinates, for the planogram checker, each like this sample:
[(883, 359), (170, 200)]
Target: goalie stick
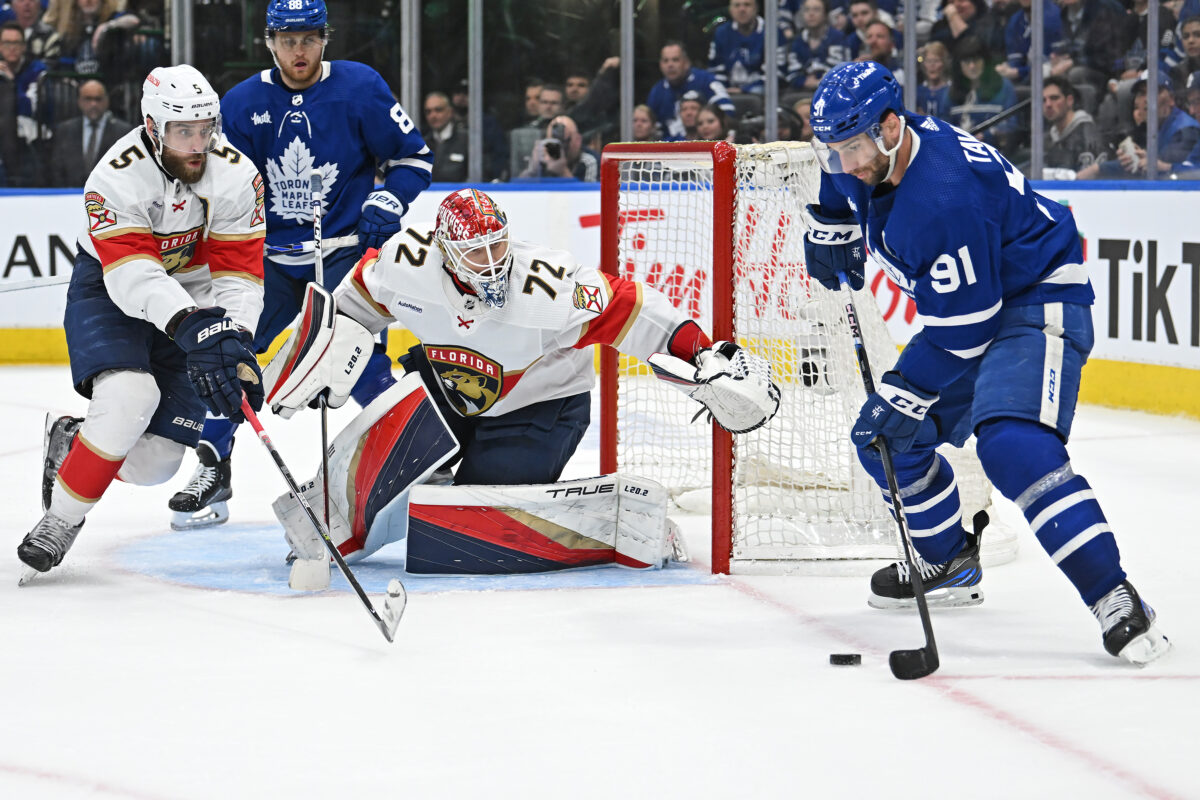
[(397, 597), (315, 184), (906, 664)]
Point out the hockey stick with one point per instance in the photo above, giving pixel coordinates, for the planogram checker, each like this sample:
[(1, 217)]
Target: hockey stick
[(315, 184), (33, 283), (906, 664), (397, 597)]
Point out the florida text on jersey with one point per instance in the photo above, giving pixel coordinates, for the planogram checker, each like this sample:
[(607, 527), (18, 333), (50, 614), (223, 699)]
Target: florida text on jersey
[(535, 348), (165, 245)]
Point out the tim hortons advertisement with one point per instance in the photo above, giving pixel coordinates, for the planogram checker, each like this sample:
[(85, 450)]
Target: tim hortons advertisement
[(1144, 264)]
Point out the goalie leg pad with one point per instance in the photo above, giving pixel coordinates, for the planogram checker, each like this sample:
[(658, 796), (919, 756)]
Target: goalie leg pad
[(325, 351), (492, 530), (397, 441)]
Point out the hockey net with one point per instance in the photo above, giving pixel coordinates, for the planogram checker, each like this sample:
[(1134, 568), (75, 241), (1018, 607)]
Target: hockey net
[(717, 228)]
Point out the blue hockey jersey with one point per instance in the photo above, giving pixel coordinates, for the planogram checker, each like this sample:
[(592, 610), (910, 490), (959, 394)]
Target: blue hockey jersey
[(963, 235), (345, 124)]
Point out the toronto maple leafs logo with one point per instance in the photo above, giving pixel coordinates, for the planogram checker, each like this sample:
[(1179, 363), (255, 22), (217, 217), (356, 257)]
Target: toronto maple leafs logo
[(291, 195)]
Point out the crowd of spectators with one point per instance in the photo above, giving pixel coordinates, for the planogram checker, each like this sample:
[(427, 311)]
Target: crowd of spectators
[(63, 63)]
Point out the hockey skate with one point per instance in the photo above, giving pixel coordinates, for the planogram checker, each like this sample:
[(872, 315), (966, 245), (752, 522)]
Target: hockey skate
[(1128, 625), (952, 584), (202, 504), (56, 443), (45, 545)]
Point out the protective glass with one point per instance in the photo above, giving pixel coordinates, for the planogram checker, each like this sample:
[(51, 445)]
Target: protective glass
[(188, 136), (483, 263)]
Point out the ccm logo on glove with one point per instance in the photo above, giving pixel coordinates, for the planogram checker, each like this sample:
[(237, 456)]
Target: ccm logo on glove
[(215, 328)]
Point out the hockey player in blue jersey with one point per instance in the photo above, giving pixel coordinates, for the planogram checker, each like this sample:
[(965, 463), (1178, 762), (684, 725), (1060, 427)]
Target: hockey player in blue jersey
[(336, 116), (996, 272)]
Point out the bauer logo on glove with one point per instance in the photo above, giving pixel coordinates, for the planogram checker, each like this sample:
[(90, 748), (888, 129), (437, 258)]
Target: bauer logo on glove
[(735, 386)]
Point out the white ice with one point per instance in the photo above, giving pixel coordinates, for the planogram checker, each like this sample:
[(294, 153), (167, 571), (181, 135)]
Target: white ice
[(117, 684)]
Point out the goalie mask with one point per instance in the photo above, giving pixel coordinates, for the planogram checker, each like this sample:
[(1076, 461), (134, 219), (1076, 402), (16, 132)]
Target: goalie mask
[(184, 109), (472, 233)]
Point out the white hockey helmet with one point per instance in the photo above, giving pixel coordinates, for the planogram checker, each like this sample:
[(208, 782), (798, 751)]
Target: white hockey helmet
[(472, 233), (181, 94)]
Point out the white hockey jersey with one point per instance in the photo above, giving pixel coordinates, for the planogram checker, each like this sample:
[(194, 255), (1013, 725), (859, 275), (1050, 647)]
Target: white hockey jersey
[(166, 245), (537, 347)]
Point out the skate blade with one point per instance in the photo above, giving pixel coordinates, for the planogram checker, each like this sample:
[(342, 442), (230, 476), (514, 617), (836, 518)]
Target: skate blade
[(954, 597), (29, 574), (1150, 646), (216, 514)]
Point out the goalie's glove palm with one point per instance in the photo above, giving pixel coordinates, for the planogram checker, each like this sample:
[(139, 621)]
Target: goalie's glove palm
[(220, 363), (736, 386)]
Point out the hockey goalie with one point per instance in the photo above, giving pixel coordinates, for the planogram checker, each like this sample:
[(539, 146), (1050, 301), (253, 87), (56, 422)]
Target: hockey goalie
[(462, 457)]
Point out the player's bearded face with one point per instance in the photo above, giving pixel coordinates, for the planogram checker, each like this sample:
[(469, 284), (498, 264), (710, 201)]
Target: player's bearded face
[(862, 158), (299, 55)]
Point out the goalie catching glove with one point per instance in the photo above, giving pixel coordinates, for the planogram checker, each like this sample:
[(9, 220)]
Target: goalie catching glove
[(325, 353), (737, 387)]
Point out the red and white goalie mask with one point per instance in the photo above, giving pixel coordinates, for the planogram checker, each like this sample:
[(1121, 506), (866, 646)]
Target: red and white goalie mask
[(472, 233)]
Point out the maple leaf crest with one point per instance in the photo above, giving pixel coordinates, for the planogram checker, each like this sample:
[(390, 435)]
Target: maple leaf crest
[(291, 197)]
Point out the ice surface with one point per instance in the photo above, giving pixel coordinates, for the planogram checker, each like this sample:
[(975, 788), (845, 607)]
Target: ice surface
[(154, 664)]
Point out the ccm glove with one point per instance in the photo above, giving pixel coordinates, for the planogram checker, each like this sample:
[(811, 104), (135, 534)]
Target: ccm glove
[(220, 363), (896, 412), (381, 217), (833, 245)]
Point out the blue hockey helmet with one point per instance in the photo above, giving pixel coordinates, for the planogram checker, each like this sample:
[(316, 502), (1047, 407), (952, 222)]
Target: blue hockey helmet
[(296, 15), (852, 98)]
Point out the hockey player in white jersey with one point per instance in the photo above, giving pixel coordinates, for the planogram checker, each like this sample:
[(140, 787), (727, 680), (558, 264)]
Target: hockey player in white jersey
[(997, 274), (505, 331), (338, 117), (167, 286)]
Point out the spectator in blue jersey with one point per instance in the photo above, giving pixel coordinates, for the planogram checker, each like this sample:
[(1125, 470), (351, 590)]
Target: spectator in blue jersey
[(817, 46), (561, 154), (24, 165), (996, 272), (306, 114), (679, 77), (933, 93), (1018, 40), (736, 53), (881, 48), (978, 92), (1178, 137)]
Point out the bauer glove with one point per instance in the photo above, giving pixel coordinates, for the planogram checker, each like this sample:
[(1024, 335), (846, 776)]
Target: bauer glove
[(220, 363)]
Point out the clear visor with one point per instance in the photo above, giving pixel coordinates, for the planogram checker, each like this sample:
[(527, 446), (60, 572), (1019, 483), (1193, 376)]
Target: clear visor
[(188, 136), (852, 154), (483, 263)]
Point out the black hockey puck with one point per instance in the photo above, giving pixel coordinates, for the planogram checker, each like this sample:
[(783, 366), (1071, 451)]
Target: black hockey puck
[(845, 659)]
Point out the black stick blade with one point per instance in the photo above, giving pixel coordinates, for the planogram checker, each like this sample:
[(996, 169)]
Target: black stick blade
[(909, 665)]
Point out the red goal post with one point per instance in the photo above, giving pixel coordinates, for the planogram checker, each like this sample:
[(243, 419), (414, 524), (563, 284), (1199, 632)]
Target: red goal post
[(717, 228)]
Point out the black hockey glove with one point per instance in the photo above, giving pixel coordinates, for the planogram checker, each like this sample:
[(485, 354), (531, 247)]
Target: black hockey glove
[(220, 363), (897, 412), (833, 245)]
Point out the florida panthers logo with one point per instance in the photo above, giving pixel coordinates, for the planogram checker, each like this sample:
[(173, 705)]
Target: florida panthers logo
[(178, 250), (471, 382)]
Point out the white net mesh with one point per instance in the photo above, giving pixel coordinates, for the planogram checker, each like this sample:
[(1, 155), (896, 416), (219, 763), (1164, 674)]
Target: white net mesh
[(799, 492)]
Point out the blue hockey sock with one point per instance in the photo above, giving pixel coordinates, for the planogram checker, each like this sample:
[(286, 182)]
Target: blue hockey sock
[(218, 433), (1029, 464), (929, 493), (376, 378)]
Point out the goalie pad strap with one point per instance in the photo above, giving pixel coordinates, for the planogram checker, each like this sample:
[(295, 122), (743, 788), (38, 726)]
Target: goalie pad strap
[(325, 350), (489, 530)]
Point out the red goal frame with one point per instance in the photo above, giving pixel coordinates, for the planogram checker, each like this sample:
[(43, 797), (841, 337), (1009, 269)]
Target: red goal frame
[(724, 157)]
